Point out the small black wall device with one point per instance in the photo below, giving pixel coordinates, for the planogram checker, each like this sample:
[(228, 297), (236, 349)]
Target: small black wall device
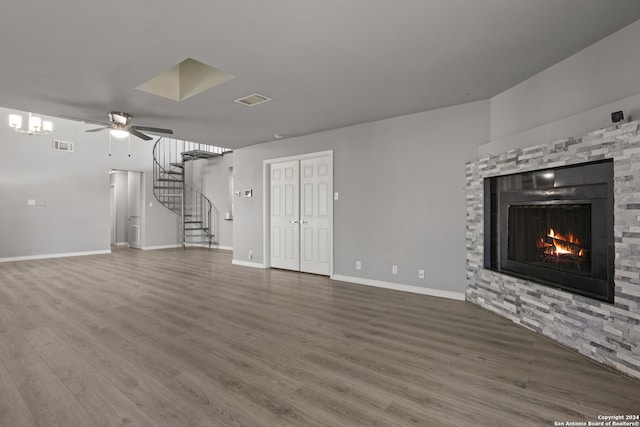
[(617, 116)]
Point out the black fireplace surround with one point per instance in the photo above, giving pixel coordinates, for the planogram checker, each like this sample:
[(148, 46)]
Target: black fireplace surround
[(554, 227)]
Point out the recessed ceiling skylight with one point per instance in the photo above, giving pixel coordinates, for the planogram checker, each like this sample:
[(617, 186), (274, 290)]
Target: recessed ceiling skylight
[(252, 100), (188, 78)]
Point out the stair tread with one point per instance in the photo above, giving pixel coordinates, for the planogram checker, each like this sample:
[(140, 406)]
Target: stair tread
[(199, 154), (169, 188)]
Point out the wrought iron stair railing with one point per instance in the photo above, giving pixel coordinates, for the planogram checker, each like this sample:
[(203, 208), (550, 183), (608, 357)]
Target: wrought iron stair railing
[(171, 189)]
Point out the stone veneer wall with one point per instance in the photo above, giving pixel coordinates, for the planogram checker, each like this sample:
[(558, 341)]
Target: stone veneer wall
[(607, 333)]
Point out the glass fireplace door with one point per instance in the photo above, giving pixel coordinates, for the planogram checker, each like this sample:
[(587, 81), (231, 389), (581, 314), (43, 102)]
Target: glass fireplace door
[(552, 236)]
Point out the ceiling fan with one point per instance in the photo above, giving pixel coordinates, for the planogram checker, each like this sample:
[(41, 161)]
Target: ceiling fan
[(120, 126)]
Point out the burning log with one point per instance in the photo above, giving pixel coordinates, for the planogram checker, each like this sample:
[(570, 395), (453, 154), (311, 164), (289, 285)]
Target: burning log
[(564, 246), (559, 248)]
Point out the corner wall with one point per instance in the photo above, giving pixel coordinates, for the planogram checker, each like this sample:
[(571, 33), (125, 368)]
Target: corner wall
[(401, 195), (573, 97), (72, 215), (607, 333)]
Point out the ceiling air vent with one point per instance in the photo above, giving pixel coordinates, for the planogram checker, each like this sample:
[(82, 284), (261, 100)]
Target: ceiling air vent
[(62, 145), (252, 100)]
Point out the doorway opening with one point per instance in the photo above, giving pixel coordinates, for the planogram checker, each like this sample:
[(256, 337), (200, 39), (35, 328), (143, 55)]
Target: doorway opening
[(127, 208)]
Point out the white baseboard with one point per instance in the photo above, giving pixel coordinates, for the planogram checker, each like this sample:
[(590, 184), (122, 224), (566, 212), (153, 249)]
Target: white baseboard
[(213, 246), (399, 287), (153, 248), (248, 264), (59, 255), (122, 243), (178, 245)]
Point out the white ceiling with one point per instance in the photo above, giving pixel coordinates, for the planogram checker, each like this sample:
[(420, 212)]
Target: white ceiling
[(325, 63)]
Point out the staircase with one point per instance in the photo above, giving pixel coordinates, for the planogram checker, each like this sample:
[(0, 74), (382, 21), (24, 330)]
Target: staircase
[(170, 186)]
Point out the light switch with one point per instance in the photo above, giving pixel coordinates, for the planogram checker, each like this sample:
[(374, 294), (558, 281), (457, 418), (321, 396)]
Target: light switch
[(335, 196), (31, 202)]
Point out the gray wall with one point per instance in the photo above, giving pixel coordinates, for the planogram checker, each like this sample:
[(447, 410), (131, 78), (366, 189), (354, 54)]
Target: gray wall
[(73, 189), (401, 184), (573, 97), (212, 179)]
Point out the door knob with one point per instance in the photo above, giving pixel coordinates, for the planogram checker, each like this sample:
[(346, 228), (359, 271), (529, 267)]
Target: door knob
[(293, 221)]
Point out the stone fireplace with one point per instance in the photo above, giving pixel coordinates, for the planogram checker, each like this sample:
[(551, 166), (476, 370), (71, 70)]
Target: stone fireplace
[(553, 226), (553, 241)]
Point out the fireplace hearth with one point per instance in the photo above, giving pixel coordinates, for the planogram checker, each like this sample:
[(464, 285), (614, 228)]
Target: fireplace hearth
[(554, 226)]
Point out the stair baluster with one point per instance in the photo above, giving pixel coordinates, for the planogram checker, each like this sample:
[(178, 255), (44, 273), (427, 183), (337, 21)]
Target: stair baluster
[(170, 188)]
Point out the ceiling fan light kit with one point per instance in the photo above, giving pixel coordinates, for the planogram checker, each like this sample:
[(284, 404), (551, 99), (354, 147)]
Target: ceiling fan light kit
[(119, 133), (120, 126)]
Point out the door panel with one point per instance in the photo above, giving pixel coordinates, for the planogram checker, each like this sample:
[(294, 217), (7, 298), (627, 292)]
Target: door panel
[(315, 219), (301, 192), (285, 212)]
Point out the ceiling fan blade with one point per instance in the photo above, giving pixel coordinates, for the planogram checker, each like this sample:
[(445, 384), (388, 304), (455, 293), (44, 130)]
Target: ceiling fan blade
[(95, 130), (154, 130), (86, 121), (139, 134)]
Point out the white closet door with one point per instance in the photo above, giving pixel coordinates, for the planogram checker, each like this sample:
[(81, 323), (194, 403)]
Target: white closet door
[(285, 215), (315, 204)]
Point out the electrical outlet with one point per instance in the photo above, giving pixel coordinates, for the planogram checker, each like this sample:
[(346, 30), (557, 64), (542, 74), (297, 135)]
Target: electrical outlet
[(420, 274), (394, 269), (358, 265)]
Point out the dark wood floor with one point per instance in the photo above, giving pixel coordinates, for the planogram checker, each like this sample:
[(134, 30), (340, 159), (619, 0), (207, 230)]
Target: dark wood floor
[(183, 338)]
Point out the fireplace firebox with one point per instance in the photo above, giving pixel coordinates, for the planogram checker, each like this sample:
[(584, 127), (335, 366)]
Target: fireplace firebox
[(554, 227)]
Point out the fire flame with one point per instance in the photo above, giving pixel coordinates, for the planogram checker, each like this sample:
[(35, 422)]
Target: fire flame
[(560, 247), (568, 238)]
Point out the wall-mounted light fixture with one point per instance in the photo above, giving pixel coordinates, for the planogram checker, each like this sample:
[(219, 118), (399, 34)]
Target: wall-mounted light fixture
[(36, 125)]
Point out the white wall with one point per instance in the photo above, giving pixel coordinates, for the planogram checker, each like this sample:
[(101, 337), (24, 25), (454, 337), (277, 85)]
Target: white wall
[(73, 191), (120, 180), (401, 183), (572, 97), (211, 177)]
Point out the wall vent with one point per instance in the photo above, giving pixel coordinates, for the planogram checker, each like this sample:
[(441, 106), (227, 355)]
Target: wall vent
[(252, 100), (62, 145)]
